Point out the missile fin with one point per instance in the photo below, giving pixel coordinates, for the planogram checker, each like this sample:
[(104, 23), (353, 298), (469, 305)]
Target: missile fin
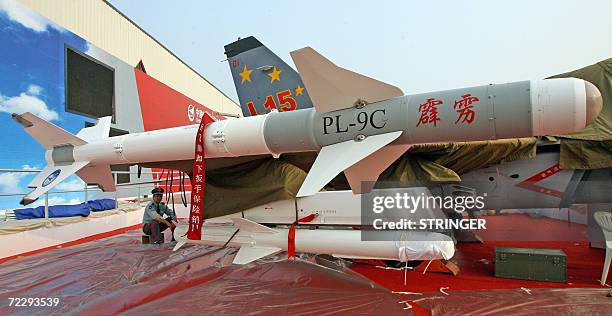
[(336, 158), (368, 169), (99, 131), (99, 175), (38, 179), (178, 245), (49, 177), (334, 88), (45, 133), (248, 254), (250, 226)]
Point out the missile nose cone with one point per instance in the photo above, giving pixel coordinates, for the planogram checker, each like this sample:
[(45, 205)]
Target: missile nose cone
[(594, 102)]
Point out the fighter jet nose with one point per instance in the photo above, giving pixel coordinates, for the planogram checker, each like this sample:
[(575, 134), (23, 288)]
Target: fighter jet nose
[(594, 102)]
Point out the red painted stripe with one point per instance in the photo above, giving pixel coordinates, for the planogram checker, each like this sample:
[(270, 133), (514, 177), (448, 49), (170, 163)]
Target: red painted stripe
[(74, 242), (530, 184)]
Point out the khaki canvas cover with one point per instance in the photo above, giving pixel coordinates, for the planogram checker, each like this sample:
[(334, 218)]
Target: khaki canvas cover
[(591, 148), (447, 161), (234, 188)]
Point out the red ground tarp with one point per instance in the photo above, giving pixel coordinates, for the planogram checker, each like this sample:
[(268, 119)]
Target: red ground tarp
[(537, 302), (477, 260), (120, 275)]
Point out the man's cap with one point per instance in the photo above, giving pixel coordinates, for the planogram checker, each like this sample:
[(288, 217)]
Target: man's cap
[(157, 191)]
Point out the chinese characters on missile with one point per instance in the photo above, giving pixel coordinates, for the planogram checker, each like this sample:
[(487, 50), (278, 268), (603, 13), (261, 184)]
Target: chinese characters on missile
[(464, 108)]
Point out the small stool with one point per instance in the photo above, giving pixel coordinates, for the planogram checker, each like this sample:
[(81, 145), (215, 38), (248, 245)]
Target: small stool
[(146, 239)]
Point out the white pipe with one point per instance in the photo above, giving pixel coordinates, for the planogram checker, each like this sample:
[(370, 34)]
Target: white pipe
[(46, 205)]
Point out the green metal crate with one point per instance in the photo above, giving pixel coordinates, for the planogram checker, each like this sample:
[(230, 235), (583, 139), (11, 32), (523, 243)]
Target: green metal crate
[(531, 264)]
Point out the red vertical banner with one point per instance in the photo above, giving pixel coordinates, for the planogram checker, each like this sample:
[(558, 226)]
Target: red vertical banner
[(197, 183)]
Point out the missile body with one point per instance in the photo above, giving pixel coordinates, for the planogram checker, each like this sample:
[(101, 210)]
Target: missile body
[(528, 108), (380, 131), (257, 241)]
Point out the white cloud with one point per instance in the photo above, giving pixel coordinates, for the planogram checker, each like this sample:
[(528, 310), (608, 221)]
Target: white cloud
[(28, 167), (28, 102), (72, 185), (34, 89), (10, 181), (27, 17), (56, 200), (95, 195)]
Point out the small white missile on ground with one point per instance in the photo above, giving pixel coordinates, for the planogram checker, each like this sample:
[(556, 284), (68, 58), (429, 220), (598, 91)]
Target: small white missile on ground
[(358, 125), (256, 241)]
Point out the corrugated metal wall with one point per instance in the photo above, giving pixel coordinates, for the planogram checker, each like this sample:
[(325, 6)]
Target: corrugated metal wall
[(100, 24)]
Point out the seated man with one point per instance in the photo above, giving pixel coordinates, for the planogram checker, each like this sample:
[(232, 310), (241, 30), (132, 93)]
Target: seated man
[(152, 221)]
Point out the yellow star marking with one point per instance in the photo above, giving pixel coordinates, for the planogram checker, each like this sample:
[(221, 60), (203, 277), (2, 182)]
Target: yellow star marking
[(299, 90), (275, 75), (245, 75)]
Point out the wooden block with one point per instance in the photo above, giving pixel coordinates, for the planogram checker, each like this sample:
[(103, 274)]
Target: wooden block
[(439, 266), (146, 239)]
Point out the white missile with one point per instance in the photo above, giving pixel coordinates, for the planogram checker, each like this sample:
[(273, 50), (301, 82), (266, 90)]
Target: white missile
[(358, 125), (332, 208), (256, 241)]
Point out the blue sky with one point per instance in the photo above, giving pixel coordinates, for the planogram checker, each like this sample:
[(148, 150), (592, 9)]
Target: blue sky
[(416, 45), (32, 68)]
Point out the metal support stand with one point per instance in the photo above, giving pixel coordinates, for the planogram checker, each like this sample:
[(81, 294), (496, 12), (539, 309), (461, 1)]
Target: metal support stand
[(46, 205), (116, 179)]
